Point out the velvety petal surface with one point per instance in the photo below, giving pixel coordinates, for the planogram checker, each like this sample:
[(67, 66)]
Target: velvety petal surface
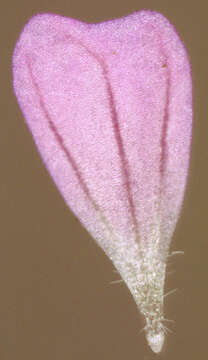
[(110, 108)]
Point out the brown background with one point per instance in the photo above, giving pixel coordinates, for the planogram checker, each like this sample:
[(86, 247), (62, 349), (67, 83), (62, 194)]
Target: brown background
[(55, 298)]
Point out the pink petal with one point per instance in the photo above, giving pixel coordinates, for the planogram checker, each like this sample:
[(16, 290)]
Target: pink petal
[(110, 108)]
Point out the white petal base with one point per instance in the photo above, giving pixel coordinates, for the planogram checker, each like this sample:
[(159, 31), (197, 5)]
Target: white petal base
[(156, 341)]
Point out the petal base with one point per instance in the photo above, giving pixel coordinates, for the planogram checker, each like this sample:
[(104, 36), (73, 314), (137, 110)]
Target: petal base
[(156, 341)]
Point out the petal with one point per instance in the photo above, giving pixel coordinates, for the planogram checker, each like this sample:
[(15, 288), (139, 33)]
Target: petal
[(110, 108)]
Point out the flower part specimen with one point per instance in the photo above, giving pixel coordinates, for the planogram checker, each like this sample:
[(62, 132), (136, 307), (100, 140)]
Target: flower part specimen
[(109, 106)]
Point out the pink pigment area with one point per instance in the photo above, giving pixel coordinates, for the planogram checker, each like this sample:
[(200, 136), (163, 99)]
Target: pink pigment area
[(109, 107)]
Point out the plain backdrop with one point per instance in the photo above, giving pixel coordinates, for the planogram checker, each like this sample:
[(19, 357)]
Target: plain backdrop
[(56, 300)]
